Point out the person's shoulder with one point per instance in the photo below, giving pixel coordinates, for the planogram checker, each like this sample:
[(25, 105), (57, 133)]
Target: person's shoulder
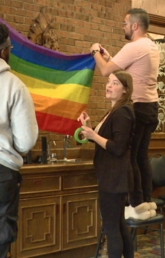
[(145, 43), (135, 44), (125, 107), (126, 110), (129, 47), (10, 79), (16, 81), (4, 67)]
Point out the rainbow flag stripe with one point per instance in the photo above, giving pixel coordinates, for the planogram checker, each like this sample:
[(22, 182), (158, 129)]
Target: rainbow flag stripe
[(59, 84)]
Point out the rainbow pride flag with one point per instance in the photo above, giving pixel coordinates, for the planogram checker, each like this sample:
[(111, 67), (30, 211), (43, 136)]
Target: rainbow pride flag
[(59, 84)]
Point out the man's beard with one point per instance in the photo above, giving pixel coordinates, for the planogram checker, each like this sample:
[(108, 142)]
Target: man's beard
[(129, 36)]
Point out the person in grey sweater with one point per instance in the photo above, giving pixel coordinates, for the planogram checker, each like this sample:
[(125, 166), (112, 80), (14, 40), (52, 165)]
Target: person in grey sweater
[(18, 134)]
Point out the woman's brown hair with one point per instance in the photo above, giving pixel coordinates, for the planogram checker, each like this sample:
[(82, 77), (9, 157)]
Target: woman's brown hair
[(127, 82)]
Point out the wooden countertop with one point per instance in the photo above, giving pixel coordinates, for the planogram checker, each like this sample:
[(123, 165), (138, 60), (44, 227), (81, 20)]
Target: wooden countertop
[(57, 167)]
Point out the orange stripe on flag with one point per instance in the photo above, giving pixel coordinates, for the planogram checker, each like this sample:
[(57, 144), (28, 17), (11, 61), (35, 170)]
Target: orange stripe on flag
[(58, 107)]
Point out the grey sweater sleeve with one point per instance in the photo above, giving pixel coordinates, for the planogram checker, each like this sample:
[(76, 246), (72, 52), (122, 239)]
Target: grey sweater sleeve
[(23, 121)]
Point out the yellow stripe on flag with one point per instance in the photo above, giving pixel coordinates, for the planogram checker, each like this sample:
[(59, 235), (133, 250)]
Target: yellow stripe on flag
[(71, 92)]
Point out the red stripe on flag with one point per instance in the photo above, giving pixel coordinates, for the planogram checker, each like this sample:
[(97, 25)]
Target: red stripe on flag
[(56, 124)]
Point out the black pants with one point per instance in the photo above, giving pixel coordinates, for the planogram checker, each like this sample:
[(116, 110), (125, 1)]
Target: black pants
[(119, 240), (140, 163), (10, 182)]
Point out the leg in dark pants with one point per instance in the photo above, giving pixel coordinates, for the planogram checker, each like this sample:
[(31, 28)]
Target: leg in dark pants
[(144, 163), (119, 240), (4, 249), (140, 163), (9, 200)]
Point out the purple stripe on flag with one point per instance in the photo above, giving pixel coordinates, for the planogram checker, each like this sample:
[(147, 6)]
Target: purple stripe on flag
[(21, 39)]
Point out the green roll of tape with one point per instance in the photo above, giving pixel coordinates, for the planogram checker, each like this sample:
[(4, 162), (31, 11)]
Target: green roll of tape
[(77, 133)]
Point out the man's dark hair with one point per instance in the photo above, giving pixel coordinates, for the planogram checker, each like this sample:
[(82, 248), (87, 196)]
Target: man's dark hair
[(4, 33), (140, 16)]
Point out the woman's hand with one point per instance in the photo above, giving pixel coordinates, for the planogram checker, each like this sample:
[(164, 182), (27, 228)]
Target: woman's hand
[(84, 118), (92, 135), (88, 132)]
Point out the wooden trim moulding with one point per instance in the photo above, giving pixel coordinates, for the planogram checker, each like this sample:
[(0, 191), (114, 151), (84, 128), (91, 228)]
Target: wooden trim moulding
[(157, 20), (158, 136)]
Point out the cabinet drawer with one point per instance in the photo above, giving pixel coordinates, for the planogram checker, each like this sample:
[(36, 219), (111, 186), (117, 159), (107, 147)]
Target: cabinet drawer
[(41, 184), (77, 181)]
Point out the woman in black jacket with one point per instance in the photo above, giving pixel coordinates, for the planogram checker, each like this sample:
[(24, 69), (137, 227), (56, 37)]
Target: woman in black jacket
[(112, 137)]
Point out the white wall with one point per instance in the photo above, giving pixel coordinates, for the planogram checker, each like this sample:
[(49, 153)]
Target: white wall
[(156, 7)]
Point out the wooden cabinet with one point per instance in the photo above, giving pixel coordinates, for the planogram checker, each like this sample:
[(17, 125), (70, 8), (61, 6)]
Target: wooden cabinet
[(58, 211), (40, 183), (39, 227), (80, 220)]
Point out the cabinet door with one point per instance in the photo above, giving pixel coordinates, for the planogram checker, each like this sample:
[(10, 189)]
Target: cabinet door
[(81, 221), (39, 230)]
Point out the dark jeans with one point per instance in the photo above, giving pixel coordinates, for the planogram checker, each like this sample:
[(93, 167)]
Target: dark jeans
[(119, 240), (4, 249), (140, 163), (10, 182)]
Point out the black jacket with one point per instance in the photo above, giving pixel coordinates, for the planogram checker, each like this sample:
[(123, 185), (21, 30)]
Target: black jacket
[(113, 165)]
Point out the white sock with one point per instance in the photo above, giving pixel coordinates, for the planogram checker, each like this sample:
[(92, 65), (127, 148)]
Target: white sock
[(152, 205), (142, 207), (131, 213), (152, 213)]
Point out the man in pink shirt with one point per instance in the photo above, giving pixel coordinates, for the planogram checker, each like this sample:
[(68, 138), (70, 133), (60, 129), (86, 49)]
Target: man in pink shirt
[(140, 58)]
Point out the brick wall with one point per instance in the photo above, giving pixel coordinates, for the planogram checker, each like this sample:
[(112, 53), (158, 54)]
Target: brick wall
[(78, 24)]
